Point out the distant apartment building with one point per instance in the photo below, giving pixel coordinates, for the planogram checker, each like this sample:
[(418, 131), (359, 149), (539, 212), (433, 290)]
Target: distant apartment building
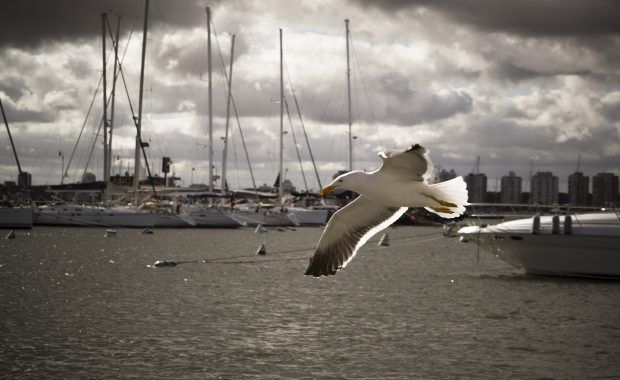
[(604, 189), (511, 188), (476, 187), (444, 175), (578, 187), (544, 188)]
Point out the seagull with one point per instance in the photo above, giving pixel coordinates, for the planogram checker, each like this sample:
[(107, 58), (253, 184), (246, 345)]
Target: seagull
[(385, 195)]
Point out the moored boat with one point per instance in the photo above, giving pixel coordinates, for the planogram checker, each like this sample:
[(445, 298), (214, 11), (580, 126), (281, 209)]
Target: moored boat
[(65, 214), (15, 217), (577, 245)]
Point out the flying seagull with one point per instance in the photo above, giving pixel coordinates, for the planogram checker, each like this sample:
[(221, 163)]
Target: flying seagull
[(385, 195)]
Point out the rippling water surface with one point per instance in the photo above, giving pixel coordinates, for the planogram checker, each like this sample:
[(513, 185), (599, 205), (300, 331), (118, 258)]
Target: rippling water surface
[(74, 304)]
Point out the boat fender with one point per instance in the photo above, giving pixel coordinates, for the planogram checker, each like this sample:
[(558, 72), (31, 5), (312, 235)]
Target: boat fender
[(536, 225), (568, 225), (555, 225)]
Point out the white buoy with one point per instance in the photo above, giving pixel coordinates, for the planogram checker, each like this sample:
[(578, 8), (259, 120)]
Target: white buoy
[(385, 240), (10, 235), (110, 233), (261, 250), (260, 229)]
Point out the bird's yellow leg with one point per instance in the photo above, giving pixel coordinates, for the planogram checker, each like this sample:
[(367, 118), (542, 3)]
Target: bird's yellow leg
[(442, 203)]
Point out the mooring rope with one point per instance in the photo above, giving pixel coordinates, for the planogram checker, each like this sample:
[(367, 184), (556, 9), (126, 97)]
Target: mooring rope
[(253, 259)]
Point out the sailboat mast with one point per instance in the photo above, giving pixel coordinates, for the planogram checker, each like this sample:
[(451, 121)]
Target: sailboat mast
[(105, 111), (281, 175), (136, 176), (346, 23), (225, 151), (113, 100), (8, 130), (210, 96)]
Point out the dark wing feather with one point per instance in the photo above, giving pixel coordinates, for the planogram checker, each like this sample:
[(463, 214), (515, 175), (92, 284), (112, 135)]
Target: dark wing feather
[(411, 164), (347, 230)]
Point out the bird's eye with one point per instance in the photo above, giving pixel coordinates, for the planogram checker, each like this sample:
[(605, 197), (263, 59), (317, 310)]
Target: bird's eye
[(340, 181)]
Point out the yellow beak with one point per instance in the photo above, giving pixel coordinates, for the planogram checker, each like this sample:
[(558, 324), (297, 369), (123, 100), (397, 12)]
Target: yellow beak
[(328, 189)]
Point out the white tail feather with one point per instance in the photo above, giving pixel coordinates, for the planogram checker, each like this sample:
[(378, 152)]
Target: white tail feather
[(453, 191)]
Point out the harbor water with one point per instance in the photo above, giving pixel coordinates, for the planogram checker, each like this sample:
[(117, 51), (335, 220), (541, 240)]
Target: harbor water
[(77, 304)]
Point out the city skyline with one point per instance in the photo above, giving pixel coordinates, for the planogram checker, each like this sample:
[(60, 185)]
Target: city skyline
[(525, 83)]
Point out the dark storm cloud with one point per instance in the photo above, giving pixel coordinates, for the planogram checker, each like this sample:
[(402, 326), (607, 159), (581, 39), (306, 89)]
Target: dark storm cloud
[(33, 22), (524, 17), (512, 71)]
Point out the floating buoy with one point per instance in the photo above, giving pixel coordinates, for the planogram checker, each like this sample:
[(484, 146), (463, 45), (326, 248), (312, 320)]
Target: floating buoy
[(261, 250), (164, 263), (110, 233), (385, 240), (260, 229), (10, 235), (147, 231)]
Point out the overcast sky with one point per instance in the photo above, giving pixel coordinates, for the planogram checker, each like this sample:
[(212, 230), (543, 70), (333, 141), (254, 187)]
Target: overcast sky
[(514, 82)]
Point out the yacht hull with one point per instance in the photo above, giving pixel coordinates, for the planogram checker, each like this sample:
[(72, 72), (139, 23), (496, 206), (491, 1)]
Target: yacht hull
[(16, 217), (92, 217), (586, 245), (560, 255)]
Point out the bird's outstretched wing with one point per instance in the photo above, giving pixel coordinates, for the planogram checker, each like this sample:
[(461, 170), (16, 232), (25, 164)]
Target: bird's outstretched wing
[(411, 164), (347, 230)]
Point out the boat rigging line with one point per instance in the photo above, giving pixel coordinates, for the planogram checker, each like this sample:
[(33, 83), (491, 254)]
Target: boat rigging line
[(232, 99), (301, 166), (316, 172)]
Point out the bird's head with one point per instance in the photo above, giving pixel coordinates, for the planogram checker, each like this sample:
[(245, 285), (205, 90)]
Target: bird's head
[(347, 181)]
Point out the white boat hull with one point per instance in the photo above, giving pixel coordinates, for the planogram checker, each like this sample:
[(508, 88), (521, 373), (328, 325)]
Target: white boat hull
[(213, 217), (273, 219), (69, 215), (586, 246), (16, 217), (170, 220), (561, 255), (310, 217)]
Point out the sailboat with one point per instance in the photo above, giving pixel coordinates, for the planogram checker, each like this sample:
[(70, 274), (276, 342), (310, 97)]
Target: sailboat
[(14, 216), (67, 214), (209, 215), (274, 215), (319, 214)]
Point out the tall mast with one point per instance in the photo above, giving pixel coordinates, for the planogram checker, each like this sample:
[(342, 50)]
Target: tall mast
[(105, 111), (281, 175), (210, 95), (225, 152), (136, 178), (346, 23), (114, 76), (8, 130)]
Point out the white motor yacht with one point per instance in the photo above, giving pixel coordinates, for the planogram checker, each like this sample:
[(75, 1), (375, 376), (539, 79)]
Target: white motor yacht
[(582, 245)]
